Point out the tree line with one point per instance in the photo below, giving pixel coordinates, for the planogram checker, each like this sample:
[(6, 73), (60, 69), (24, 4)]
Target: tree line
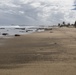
[(66, 25)]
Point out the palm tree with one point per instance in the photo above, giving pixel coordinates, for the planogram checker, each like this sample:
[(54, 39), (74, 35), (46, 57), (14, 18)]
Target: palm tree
[(75, 24), (59, 25), (63, 23)]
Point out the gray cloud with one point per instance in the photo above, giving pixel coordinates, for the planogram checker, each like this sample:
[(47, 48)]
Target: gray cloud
[(74, 5), (74, 1), (32, 12)]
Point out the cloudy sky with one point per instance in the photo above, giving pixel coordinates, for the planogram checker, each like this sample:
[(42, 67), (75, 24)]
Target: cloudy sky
[(37, 12)]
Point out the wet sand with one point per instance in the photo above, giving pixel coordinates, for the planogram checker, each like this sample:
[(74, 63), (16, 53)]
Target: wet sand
[(45, 53)]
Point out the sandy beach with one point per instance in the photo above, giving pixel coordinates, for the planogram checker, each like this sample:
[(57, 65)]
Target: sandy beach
[(50, 52)]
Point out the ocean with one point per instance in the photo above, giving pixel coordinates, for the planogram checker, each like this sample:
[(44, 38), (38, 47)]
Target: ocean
[(20, 30)]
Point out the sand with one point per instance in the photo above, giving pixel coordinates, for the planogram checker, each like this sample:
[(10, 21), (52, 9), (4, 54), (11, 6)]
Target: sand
[(44, 53)]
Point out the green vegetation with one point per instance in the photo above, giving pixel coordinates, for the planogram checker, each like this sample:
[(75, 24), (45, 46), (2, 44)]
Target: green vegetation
[(67, 25)]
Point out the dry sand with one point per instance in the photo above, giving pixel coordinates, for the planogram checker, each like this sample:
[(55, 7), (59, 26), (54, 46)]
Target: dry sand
[(45, 53)]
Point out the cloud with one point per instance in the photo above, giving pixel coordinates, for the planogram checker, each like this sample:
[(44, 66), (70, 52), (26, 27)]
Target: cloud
[(36, 12), (74, 5), (74, 1)]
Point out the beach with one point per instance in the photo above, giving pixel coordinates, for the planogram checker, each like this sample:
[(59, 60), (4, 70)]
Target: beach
[(52, 52)]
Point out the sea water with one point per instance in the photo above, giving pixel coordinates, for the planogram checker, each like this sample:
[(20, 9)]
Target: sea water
[(12, 31)]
